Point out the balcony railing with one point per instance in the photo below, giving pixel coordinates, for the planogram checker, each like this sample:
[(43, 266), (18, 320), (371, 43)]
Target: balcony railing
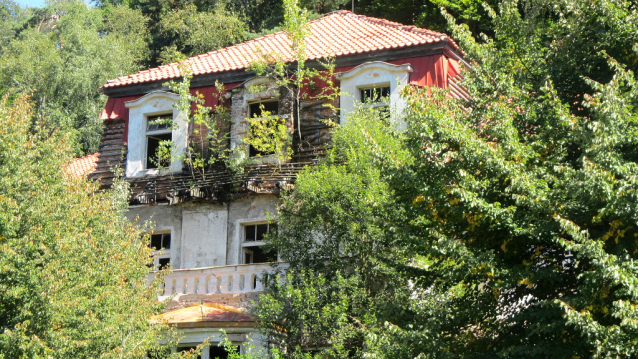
[(233, 279)]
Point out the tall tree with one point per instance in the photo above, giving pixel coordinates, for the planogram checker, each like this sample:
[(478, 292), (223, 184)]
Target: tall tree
[(73, 271), (64, 54), (501, 225)]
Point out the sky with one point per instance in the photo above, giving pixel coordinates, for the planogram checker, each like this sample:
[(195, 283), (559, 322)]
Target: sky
[(31, 3)]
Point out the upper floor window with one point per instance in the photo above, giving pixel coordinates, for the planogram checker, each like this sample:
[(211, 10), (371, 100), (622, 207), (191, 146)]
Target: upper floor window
[(159, 134), (152, 121), (374, 95), (371, 83), (253, 243), (263, 110), (161, 245)]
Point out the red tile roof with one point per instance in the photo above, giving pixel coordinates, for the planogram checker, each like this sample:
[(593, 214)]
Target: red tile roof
[(83, 166), (337, 34)]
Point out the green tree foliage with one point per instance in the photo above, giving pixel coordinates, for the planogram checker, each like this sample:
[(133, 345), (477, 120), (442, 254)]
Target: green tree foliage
[(64, 53), (179, 29), (192, 32), (72, 269), (500, 226)]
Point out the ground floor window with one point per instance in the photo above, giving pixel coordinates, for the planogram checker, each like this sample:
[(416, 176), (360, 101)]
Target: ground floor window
[(161, 245), (253, 243), (212, 352)]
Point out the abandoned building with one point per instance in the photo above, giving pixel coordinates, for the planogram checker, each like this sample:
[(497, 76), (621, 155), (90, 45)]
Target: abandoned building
[(210, 222)]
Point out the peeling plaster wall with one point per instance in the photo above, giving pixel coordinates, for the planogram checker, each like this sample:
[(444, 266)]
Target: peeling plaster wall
[(206, 235), (163, 218)]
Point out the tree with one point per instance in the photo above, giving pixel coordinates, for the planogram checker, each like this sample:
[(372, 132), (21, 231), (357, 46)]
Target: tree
[(501, 225), (73, 270), (64, 54)]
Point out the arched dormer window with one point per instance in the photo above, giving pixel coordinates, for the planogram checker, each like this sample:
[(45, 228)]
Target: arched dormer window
[(153, 119), (370, 82)]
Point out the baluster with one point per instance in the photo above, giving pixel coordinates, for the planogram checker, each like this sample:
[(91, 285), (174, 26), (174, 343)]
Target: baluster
[(195, 285)]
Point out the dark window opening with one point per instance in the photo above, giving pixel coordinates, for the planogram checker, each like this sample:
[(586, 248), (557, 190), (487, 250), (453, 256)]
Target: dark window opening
[(256, 110), (256, 254), (373, 95), (216, 352), (161, 240), (163, 263), (152, 145)]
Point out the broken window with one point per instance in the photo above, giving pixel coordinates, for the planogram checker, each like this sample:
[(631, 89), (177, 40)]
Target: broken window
[(263, 110), (159, 136), (161, 245), (212, 352), (254, 241), (375, 95)]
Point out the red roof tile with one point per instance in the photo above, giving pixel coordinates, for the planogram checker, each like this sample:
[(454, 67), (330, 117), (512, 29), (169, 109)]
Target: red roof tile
[(83, 166), (339, 33)]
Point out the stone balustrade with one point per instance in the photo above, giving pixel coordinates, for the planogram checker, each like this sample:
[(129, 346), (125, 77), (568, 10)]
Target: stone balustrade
[(232, 279)]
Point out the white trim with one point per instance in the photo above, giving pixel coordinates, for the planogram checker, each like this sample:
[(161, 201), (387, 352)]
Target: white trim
[(150, 97), (151, 104), (373, 74), (240, 234)]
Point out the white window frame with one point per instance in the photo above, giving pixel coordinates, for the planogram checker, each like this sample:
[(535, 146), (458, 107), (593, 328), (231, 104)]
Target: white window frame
[(371, 75), (245, 244), (151, 104), (162, 253)]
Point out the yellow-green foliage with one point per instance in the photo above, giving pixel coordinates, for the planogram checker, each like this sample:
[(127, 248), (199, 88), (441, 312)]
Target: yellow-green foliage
[(73, 270)]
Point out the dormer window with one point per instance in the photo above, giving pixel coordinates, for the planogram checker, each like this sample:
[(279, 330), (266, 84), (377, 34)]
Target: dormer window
[(154, 124), (159, 134), (372, 82), (263, 110)]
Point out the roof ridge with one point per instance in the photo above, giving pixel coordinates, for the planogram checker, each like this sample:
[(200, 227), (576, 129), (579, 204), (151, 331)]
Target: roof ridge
[(379, 34)]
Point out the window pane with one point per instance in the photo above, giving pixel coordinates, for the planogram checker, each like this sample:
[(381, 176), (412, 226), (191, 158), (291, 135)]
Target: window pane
[(259, 255), (374, 94), (250, 233), (158, 122), (153, 143), (166, 241), (156, 241), (261, 230)]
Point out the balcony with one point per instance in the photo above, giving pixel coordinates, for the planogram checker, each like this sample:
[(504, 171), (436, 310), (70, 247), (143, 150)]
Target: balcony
[(233, 279)]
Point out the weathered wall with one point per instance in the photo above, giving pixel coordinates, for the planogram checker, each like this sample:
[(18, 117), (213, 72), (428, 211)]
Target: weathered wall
[(206, 235)]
